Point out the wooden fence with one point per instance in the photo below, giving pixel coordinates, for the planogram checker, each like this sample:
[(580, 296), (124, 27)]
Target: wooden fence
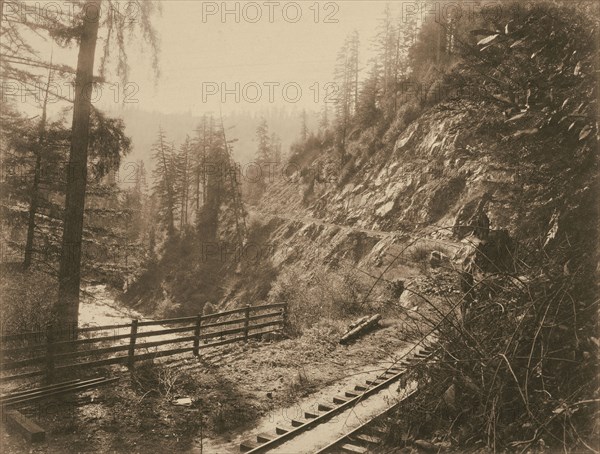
[(48, 354)]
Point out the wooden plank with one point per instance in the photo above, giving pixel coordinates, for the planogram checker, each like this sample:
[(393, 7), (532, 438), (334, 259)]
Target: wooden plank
[(223, 342), (132, 337), (42, 334), (9, 365), (266, 324), (92, 340), (25, 426), (267, 306), (95, 351), (225, 332), (164, 342), (243, 309), (28, 348), (232, 340), (246, 323), (353, 449), (167, 321), (239, 330), (166, 331), (159, 354), (16, 350), (102, 362), (22, 376), (197, 335), (87, 329), (263, 316), (223, 323), (22, 336), (223, 314)]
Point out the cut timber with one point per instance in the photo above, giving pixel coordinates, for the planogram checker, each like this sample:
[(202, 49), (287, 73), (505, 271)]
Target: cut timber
[(358, 322), (264, 438), (360, 329), (366, 440), (325, 407), (25, 426), (248, 445), (353, 449), (280, 430), (340, 399)]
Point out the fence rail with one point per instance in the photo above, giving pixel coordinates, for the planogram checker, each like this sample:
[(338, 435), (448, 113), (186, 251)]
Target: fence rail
[(50, 350)]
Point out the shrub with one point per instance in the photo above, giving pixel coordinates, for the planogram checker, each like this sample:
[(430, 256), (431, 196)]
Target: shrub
[(300, 384), (149, 378), (324, 294), (26, 307), (407, 113)]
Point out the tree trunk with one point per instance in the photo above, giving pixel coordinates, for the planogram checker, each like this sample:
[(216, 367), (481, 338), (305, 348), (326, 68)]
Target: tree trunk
[(66, 310), (169, 191)]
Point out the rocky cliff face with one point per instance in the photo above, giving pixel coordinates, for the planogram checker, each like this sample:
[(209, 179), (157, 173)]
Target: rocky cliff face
[(417, 186)]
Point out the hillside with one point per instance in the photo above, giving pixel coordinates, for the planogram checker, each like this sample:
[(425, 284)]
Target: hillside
[(473, 205)]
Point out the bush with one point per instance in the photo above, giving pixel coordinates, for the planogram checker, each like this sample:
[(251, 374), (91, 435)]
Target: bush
[(514, 369), (324, 294), (26, 307), (407, 113), (300, 384), (149, 378)]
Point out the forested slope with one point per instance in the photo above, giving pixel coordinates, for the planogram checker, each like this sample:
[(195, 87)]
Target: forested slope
[(486, 148)]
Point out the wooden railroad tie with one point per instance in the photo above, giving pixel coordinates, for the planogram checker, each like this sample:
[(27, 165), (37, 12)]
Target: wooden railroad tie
[(25, 426)]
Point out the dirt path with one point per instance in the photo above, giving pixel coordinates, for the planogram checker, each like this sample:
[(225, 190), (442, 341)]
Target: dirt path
[(310, 220)]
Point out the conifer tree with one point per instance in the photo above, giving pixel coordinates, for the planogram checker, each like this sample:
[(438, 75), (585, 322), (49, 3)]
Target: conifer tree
[(164, 177)]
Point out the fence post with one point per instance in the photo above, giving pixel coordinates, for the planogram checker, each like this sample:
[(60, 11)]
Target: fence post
[(197, 336), (131, 358), (246, 322), (50, 353), (284, 317)]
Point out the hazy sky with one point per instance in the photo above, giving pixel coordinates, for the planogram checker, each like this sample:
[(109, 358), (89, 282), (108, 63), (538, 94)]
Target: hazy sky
[(234, 55), (205, 54)]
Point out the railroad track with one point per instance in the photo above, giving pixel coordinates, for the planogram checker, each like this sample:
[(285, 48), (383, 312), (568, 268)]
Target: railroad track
[(364, 437), (359, 439)]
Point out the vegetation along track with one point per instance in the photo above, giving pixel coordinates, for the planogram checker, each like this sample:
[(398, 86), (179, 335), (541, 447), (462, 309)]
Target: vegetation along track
[(356, 440)]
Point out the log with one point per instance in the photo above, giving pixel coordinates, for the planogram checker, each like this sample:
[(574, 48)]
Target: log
[(30, 430), (360, 329), (358, 322)]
